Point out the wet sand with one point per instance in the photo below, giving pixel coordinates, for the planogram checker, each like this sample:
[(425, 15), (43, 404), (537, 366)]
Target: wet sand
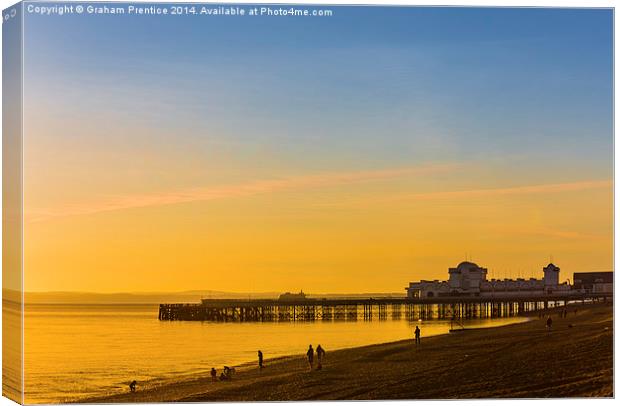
[(522, 360)]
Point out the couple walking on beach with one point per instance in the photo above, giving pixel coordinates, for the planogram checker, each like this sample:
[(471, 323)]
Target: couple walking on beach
[(320, 353)]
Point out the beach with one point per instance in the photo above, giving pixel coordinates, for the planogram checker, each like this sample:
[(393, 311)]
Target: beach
[(525, 360)]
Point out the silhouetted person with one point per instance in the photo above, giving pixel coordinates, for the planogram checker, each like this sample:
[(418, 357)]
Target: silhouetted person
[(213, 374), (417, 335), (260, 359), (564, 314), (549, 323), (320, 353), (310, 355), (132, 386), (228, 371), (227, 374)]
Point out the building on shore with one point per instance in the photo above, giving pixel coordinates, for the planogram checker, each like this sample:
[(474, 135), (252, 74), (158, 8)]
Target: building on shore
[(593, 282), (469, 279)]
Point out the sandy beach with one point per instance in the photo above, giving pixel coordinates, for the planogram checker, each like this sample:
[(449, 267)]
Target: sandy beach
[(522, 360)]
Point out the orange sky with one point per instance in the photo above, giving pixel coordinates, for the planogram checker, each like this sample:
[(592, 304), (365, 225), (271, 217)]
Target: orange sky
[(372, 230)]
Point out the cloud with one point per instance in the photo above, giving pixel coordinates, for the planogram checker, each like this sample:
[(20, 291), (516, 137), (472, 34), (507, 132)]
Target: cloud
[(230, 191), (455, 196), (516, 190), (507, 191)]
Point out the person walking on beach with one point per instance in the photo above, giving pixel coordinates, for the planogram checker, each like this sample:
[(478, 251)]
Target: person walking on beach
[(320, 353), (549, 323), (310, 355), (213, 374), (260, 359), (417, 335)]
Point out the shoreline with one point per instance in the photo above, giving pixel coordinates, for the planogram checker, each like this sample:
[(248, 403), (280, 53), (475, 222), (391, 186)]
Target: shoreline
[(520, 360), (185, 378)]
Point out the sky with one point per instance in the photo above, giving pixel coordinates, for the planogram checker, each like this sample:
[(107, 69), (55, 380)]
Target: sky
[(351, 153)]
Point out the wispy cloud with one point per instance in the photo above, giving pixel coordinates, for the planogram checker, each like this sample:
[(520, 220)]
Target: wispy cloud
[(506, 191), (230, 191), (516, 190), (461, 195)]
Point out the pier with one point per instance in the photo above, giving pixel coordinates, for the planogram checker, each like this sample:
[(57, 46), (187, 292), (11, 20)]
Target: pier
[(441, 308)]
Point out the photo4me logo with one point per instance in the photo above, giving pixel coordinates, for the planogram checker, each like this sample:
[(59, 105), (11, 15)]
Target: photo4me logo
[(176, 9), (9, 14)]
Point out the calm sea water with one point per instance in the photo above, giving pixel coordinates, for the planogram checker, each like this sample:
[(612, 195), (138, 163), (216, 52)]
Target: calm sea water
[(75, 351)]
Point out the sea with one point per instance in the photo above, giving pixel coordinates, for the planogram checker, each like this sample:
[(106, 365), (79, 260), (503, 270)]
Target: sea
[(78, 351)]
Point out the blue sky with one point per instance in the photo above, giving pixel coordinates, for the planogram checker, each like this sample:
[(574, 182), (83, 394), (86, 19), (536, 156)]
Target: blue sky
[(475, 81)]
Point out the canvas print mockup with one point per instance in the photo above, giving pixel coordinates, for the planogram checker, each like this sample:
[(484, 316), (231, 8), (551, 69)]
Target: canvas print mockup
[(208, 202)]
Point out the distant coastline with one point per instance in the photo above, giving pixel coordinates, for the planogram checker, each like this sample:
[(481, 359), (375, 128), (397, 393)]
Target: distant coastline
[(193, 296)]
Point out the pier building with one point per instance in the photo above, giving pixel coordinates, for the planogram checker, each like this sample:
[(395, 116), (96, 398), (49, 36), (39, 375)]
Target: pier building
[(469, 279)]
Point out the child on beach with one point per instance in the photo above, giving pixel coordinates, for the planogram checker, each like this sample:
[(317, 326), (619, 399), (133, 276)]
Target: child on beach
[(417, 335), (549, 323), (213, 374), (260, 359)]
